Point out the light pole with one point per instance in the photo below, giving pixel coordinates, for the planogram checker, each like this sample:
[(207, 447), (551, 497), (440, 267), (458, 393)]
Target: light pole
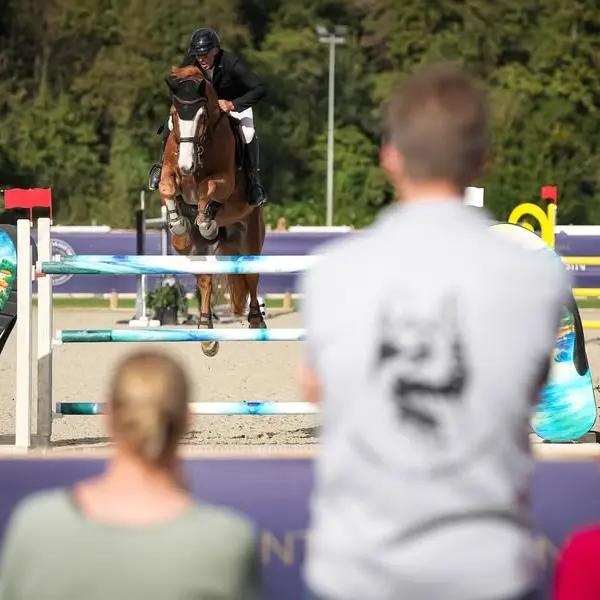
[(333, 38)]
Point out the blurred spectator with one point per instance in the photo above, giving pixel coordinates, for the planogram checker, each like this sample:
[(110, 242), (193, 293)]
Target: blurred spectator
[(281, 224), (575, 576), (428, 370), (135, 531), (268, 227)]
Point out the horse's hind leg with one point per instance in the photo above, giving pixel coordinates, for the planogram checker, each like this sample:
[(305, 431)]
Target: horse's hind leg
[(254, 244), (204, 283), (255, 314)]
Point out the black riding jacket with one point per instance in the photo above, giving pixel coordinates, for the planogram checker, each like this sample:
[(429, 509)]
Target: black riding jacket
[(233, 80)]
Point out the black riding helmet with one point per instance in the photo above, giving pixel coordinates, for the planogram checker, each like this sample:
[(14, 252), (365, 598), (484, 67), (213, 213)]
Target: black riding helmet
[(203, 41)]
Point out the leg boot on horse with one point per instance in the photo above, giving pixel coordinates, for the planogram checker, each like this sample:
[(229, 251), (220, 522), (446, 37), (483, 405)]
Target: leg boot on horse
[(206, 221), (252, 246), (205, 284)]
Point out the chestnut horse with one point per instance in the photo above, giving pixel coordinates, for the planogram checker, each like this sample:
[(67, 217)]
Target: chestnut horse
[(205, 190)]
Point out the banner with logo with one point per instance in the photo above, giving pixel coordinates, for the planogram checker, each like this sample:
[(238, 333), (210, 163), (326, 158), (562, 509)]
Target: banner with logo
[(276, 244), (124, 243), (274, 493), (59, 247)]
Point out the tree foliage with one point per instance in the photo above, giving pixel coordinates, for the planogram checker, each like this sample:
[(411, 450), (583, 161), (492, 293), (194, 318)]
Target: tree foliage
[(82, 95)]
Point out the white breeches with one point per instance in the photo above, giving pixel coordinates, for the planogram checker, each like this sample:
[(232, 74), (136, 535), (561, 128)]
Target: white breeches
[(246, 119)]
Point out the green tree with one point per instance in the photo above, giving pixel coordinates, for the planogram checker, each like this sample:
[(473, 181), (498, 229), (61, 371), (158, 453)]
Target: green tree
[(82, 94)]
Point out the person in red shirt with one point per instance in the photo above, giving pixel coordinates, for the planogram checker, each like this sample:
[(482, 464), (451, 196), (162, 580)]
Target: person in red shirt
[(577, 573)]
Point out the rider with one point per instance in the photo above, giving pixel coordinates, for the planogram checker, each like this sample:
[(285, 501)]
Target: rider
[(238, 88)]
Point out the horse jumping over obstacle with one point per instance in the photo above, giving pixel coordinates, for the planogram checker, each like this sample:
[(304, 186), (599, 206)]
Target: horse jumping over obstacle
[(203, 182)]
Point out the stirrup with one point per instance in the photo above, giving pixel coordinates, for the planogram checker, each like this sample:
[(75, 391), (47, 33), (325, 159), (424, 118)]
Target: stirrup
[(154, 177), (257, 195)]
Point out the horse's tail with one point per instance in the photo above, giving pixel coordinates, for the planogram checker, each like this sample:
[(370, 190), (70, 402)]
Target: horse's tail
[(238, 294)]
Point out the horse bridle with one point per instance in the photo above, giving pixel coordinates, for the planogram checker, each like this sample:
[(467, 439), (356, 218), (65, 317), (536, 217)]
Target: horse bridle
[(198, 141)]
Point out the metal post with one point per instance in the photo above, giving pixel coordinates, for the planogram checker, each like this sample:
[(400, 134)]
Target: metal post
[(24, 341), (164, 232), (332, 38), (141, 318), (44, 334), (330, 132), (140, 225)]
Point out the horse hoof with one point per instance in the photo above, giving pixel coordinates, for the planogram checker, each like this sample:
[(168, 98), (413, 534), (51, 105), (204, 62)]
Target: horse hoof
[(181, 242), (180, 227), (210, 349), (208, 229)]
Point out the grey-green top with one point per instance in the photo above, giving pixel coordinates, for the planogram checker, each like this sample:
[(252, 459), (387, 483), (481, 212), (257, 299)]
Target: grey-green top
[(52, 551)]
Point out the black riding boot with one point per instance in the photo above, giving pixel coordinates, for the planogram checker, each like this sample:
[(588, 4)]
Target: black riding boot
[(257, 194), (156, 170)]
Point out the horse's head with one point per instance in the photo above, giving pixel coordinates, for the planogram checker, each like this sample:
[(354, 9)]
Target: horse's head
[(191, 104)]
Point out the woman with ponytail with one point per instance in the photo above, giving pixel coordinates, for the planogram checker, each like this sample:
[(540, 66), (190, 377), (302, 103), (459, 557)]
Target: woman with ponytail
[(135, 531)]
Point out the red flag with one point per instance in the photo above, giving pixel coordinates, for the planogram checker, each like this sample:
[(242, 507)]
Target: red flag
[(32, 198), (550, 192)]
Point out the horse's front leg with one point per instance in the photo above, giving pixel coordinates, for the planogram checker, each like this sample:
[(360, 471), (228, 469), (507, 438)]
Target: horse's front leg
[(204, 283), (214, 191), (179, 226)]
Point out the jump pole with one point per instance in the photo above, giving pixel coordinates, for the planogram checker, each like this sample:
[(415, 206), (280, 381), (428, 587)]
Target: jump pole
[(265, 408), (90, 336), (24, 341)]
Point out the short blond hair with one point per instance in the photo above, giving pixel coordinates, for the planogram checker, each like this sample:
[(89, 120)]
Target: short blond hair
[(148, 403), (438, 120)]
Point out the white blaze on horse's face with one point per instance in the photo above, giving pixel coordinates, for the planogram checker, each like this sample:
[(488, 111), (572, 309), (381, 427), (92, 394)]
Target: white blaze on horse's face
[(188, 129)]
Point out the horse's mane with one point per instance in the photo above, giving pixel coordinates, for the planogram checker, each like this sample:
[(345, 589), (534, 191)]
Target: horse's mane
[(193, 73), (190, 72)]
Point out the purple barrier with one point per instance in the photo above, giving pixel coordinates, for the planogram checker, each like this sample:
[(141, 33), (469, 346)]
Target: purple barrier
[(580, 245), (122, 242), (271, 492), (276, 244), (577, 245), (274, 494)]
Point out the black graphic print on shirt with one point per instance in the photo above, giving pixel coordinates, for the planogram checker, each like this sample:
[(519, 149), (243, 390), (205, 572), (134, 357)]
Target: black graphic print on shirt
[(422, 360)]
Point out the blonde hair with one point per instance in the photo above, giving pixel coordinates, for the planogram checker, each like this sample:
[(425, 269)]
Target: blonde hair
[(438, 120), (149, 403)]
